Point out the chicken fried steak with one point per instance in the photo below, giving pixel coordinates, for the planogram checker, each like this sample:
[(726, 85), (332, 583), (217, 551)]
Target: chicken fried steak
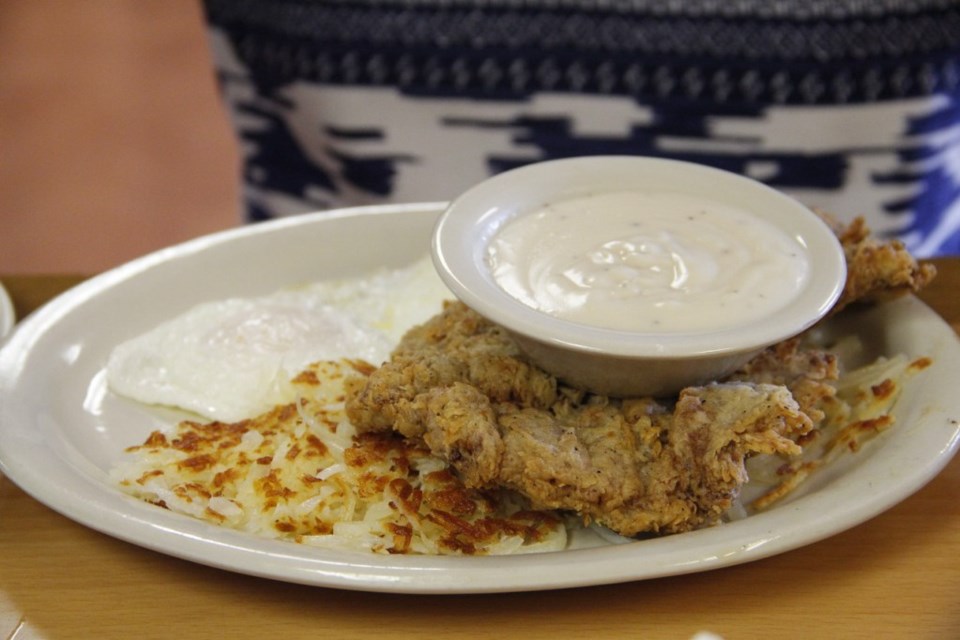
[(876, 270), (459, 383)]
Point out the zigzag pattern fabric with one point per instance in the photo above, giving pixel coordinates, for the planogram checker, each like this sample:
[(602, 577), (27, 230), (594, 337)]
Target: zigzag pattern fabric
[(848, 105)]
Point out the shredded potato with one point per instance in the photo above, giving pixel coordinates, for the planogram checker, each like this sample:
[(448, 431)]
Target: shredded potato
[(300, 473), (860, 410)]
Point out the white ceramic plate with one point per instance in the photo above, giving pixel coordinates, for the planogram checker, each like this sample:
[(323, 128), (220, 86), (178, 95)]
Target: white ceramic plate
[(61, 430), (7, 315)]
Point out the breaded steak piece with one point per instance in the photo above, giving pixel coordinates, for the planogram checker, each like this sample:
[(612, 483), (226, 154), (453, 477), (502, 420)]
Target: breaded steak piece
[(459, 383)]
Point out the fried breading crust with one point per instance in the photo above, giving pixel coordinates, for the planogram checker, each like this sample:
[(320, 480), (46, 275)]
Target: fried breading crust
[(877, 271), (456, 346), (654, 471), (635, 466), (808, 372)]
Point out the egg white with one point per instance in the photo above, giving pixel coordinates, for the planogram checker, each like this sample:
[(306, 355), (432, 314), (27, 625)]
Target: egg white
[(232, 359)]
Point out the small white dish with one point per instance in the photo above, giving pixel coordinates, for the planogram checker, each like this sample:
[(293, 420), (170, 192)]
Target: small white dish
[(62, 430), (7, 315), (621, 362)]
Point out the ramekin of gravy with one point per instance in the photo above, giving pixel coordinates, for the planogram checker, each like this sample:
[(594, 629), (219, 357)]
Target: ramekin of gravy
[(638, 276)]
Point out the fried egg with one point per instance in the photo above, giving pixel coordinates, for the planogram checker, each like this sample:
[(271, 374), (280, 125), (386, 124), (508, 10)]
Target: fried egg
[(232, 359)]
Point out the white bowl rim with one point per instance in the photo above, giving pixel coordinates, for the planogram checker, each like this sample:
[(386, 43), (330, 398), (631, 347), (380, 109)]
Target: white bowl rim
[(470, 220)]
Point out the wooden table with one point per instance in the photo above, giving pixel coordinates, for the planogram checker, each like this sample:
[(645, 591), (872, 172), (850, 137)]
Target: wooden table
[(895, 576)]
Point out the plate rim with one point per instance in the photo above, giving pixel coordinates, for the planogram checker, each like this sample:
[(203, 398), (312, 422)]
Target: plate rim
[(180, 536)]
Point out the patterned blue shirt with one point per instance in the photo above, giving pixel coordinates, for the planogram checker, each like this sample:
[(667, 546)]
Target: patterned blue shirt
[(848, 105)]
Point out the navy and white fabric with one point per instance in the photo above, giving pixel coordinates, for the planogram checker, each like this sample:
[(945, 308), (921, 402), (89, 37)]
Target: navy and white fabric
[(848, 105)]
